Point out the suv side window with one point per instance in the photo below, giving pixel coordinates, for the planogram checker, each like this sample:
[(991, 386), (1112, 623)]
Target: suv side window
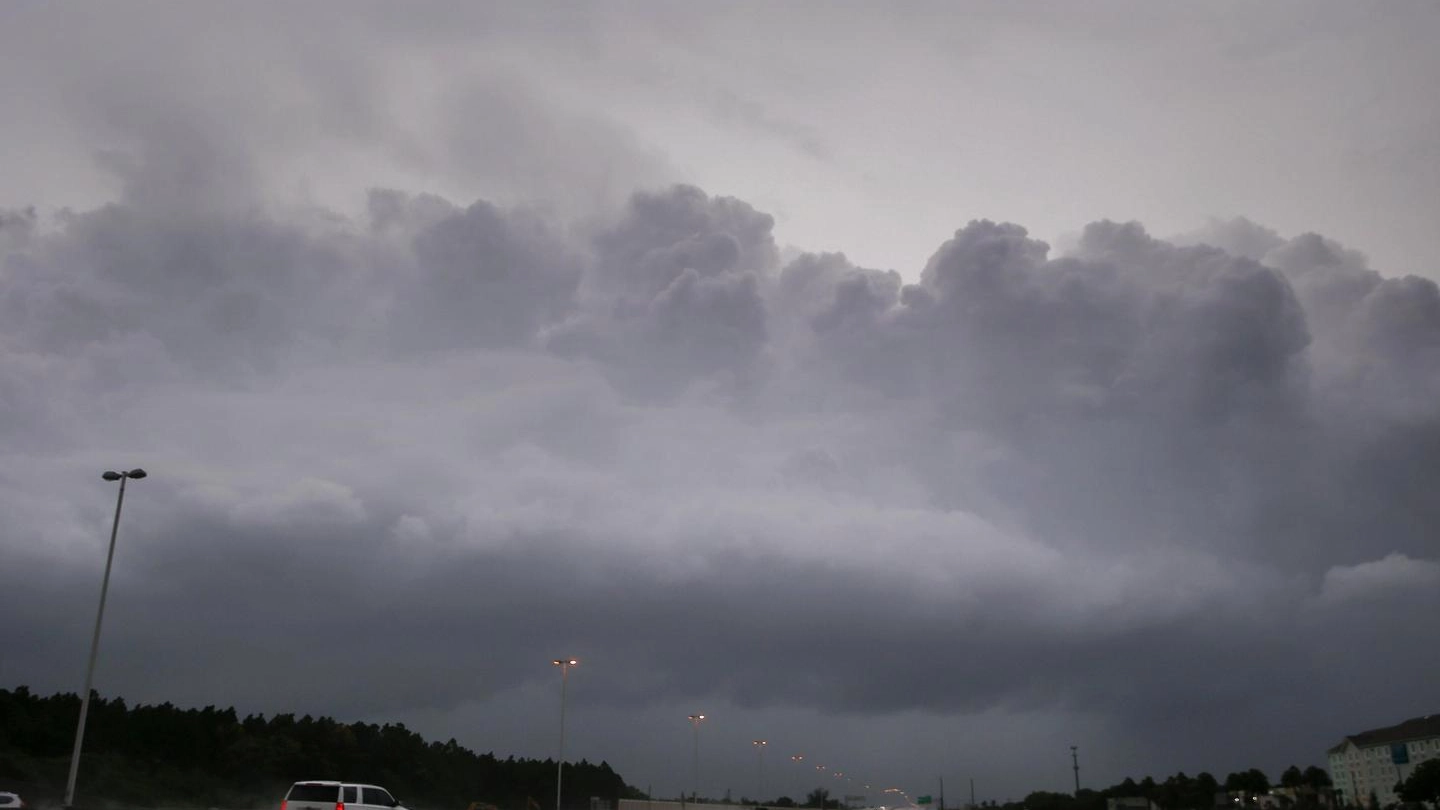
[(378, 796), (348, 795), (311, 792)]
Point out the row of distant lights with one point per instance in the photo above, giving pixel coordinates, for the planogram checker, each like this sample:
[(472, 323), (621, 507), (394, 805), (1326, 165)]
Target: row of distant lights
[(697, 719)]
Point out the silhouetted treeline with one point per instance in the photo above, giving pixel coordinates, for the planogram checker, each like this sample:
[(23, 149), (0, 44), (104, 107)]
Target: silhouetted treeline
[(1304, 789), (161, 755)]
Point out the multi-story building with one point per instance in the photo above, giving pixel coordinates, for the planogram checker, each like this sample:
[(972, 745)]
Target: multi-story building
[(1373, 762)]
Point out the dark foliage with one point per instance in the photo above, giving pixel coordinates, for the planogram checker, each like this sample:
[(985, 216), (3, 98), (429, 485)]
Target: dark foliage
[(1182, 792), (821, 799), (1423, 784), (161, 755)]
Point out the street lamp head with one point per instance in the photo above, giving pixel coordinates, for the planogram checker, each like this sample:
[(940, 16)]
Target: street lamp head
[(136, 473), (111, 475)]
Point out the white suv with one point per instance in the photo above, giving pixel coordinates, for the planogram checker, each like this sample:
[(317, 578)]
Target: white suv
[(321, 795)]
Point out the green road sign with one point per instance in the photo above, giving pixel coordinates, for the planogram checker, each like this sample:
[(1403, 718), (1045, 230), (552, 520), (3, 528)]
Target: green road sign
[(922, 800)]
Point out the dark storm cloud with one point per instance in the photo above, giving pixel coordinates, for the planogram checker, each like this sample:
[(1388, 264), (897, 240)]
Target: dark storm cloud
[(484, 277), (1135, 397), (222, 294), (674, 293), (1167, 484)]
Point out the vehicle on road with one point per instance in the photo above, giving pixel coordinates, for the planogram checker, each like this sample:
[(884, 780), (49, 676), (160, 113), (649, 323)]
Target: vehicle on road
[(327, 795), (11, 801)]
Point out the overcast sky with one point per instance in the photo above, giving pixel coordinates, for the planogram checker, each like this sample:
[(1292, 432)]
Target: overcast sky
[(925, 388)]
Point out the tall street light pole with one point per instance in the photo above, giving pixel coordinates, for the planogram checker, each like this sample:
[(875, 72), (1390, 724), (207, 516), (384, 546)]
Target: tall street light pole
[(564, 664), (1075, 761), (759, 768), (122, 477), (696, 720)]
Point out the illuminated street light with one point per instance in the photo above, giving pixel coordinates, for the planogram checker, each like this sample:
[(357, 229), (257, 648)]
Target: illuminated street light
[(696, 720), (759, 746), (797, 758), (564, 664)]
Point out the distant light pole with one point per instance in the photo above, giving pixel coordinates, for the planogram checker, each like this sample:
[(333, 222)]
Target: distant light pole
[(564, 664), (122, 477), (696, 720), (759, 768), (1075, 761)]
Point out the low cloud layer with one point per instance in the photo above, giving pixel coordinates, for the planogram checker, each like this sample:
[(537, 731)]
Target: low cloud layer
[(1165, 483)]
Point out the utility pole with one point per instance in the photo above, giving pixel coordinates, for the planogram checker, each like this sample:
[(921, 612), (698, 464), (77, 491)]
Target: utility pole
[(972, 791), (1075, 761), (942, 793)]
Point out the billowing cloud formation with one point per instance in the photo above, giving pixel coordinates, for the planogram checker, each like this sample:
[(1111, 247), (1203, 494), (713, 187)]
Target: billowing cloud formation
[(1161, 482), (674, 293)]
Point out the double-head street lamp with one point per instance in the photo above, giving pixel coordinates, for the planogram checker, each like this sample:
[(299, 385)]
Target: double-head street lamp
[(564, 664), (759, 746), (696, 720), (902, 793), (122, 477)]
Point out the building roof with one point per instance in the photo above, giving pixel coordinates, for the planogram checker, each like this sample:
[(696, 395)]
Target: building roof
[(1416, 728)]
